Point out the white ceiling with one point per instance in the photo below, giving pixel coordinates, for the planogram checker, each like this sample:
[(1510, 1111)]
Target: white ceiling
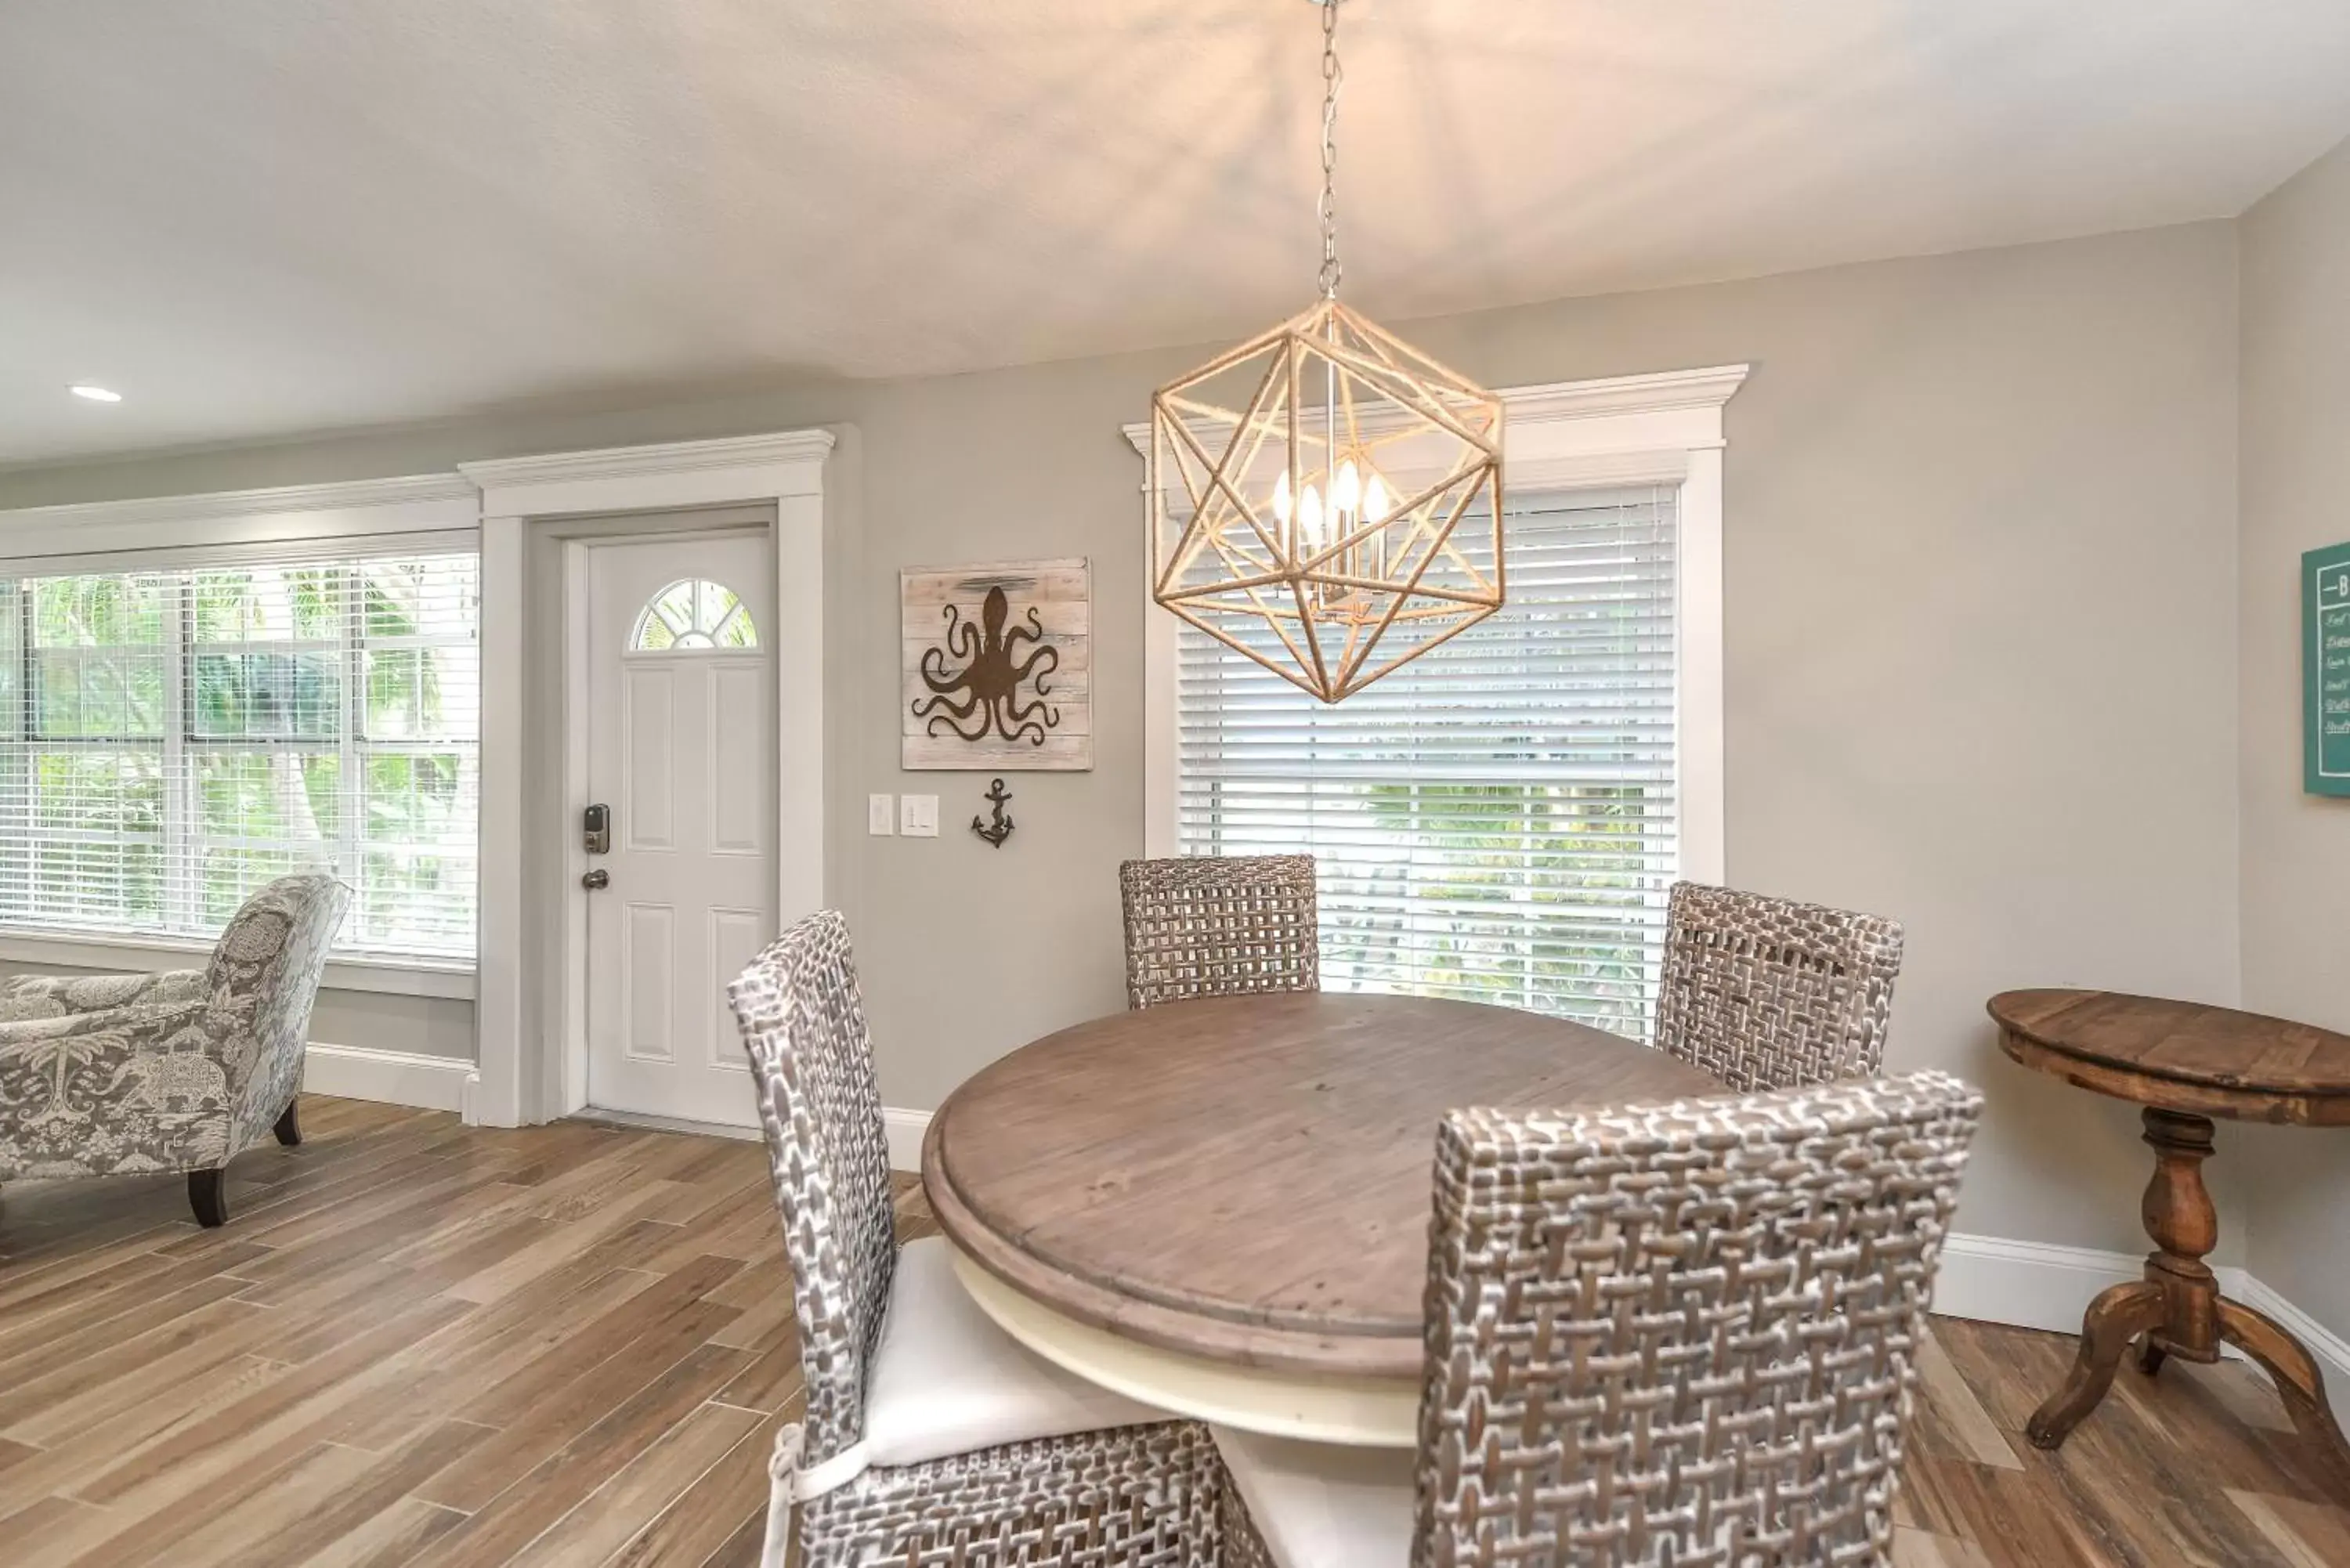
[(256, 218)]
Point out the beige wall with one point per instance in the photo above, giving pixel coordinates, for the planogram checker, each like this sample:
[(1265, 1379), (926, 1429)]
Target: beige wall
[(1981, 629), (2296, 848)]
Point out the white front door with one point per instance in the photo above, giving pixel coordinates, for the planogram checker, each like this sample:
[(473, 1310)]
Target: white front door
[(681, 752)]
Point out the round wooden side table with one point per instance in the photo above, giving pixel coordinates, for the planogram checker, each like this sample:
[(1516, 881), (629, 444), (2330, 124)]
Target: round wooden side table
[(1221, 1207), (2186, 1063)]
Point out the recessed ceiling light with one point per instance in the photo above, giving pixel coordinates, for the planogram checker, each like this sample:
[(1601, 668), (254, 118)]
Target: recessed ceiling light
[(96, 394)]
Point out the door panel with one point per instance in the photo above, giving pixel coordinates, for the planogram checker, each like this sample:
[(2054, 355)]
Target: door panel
[(648, 988), (735, 937), (647, 814), (681, 745), (738, 760)]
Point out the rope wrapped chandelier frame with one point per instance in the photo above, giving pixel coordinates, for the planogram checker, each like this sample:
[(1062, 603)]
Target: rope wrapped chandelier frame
[(1325, 498)]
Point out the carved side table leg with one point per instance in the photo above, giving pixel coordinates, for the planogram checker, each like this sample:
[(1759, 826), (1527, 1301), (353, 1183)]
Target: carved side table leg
[(2299, 1382), (2119, 1315), (2185, 1226), (2177, 1306)]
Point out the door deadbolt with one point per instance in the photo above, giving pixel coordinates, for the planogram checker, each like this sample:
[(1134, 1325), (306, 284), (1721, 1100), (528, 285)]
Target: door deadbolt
[(595, 879), (596, 829)]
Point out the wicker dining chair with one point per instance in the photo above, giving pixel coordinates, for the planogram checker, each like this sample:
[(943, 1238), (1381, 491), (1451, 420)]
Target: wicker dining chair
[(1683, 1333), (1219, 926), (929, 1436), (1765, 994)]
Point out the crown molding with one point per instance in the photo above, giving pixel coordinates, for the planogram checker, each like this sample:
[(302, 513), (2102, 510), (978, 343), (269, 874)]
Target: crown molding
[(1664, 391), (639, 461), (640, 478), (1709, 387), (350, 496)]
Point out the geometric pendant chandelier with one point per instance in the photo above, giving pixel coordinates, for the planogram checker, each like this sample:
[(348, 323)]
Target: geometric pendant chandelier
[(1324, 498)]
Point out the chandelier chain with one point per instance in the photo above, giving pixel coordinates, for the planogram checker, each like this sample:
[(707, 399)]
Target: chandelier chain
[(1320, 569), (1332, 79)]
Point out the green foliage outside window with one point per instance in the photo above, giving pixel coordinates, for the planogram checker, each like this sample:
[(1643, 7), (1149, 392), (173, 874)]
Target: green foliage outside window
[(281, 768), (1535, 893)]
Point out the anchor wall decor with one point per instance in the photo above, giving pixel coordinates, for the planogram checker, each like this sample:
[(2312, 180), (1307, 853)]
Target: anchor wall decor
[(998, 827)]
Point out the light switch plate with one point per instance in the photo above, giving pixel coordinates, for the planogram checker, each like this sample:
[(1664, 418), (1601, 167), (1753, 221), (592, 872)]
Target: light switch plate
[(917, 815), (880, 814)]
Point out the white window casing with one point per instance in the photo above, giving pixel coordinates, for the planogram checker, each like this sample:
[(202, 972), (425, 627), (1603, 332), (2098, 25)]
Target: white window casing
[(291, 699), (1498, 820), (174, 735)]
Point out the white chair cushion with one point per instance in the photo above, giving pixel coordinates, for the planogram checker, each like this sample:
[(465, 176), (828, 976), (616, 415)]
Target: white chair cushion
[(1319, 1505), (946, 1380)]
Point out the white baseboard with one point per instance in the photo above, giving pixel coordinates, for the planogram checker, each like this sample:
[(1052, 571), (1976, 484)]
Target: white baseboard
[(394, 1077), (442, 1083), (2332, 1351), (906, 1130), (2031, 1284), (2026, 1284)]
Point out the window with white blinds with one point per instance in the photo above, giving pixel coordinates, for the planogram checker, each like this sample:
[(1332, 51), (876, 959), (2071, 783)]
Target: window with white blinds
[(1498, 820), (171, 740)]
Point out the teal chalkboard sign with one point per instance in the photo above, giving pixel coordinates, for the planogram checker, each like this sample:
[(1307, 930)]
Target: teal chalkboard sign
[(2325, 670)]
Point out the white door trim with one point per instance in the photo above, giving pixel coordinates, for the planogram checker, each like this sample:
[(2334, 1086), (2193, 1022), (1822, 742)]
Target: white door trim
[(570, 1023), (785, 470), (578, 703)]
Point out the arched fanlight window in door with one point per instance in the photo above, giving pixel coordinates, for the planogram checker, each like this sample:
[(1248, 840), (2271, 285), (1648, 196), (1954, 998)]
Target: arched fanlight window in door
[(693, 614)]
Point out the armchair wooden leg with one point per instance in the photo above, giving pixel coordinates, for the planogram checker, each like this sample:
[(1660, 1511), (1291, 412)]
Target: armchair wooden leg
[(208, 1196), (290, 1125)]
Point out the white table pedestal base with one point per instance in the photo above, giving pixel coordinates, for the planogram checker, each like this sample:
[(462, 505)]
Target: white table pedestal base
[(1359, 1412)]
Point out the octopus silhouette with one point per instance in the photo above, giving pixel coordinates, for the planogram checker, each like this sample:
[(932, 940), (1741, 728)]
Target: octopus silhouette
[(986, 693)]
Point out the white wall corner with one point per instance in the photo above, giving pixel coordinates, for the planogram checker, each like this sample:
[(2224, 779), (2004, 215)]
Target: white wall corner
[(501, 902), (389, 1077), (906, 1130)]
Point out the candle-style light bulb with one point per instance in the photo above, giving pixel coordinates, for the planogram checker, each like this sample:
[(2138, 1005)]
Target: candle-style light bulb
[(1309, 516), (1375, 501), (1346, 490), (1281, 497)]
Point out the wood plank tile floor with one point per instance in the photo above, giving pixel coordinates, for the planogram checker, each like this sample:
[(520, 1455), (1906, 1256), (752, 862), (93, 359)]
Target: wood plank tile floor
[(420, 1343)]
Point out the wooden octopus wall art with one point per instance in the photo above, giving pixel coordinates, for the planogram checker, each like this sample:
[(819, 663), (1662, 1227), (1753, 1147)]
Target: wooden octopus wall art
[(996, 667)]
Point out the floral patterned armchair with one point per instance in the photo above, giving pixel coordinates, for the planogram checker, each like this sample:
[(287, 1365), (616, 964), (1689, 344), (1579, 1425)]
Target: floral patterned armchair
[(133, 1074)]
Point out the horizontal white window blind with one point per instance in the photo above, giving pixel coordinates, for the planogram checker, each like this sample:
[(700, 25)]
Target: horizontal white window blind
[(1497, 821), (171, 740)]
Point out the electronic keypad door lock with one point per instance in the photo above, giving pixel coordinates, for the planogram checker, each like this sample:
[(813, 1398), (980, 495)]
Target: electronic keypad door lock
[(596, 829)]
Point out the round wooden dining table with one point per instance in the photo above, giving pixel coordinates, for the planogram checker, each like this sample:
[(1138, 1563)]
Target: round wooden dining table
[(1221, 1207)]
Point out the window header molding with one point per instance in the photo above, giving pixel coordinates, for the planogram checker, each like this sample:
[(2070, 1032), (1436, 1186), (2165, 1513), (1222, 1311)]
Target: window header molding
[(1620, 430), (427, 503), (310, 549)]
